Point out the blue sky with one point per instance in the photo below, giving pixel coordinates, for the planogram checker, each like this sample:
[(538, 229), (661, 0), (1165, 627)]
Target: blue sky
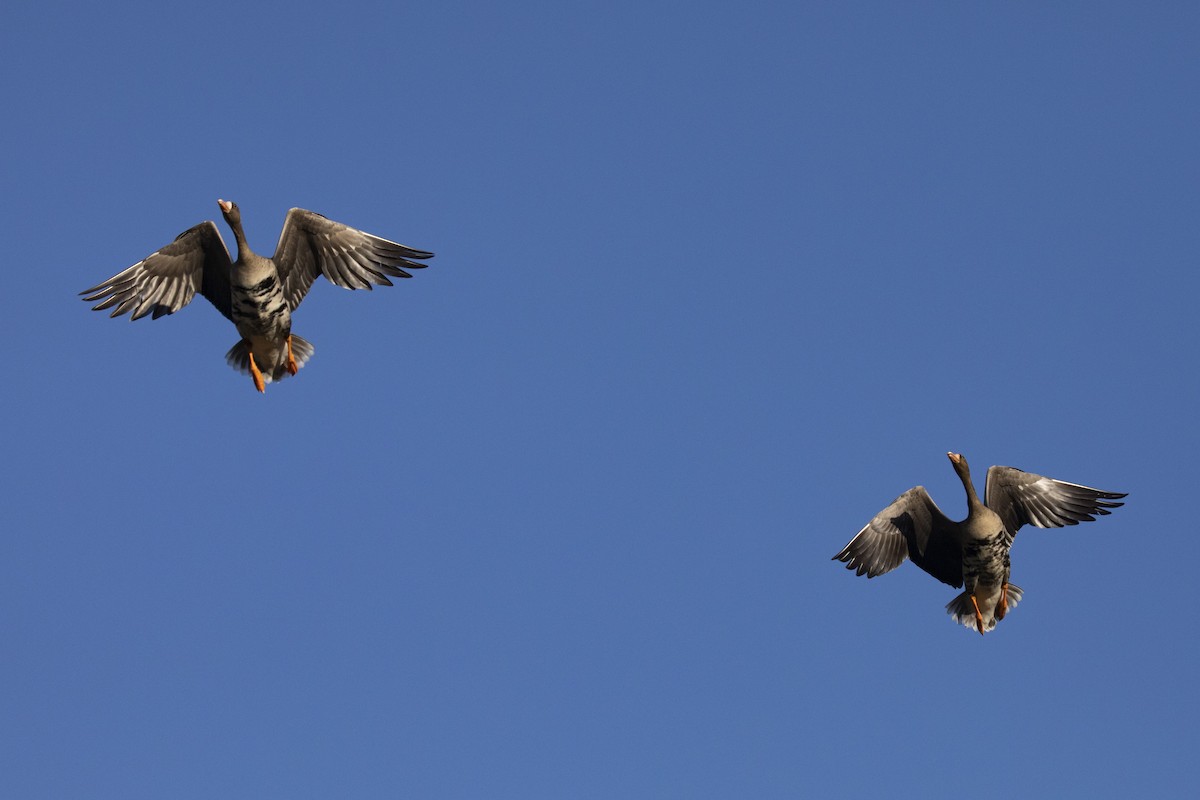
[(714, 283)]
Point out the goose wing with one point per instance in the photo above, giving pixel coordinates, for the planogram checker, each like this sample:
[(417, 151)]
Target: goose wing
[(311, 245), (168, 279), (911, 527), (1022, 498)]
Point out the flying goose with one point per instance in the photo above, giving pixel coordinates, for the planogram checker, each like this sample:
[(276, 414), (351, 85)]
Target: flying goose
[(256, 294), (973, 553)]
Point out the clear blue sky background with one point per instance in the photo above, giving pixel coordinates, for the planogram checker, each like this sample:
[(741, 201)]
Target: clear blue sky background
[(714, 283)]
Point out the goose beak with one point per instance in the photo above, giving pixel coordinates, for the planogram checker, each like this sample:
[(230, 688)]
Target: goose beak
[(954, 457), (225, 206)]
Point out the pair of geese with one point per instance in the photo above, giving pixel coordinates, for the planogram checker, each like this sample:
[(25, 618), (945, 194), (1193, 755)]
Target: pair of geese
[(258, 295)]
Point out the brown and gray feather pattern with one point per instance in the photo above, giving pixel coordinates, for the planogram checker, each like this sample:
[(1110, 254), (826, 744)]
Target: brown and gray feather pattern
[(911, 527), (168, 279), (311, 245), (1023, 498), (256, 294)]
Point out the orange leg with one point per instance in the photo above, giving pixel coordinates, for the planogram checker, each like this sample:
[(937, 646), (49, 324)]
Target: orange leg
[(978, 615), (1002, 606), (256, 373), (291, 362)]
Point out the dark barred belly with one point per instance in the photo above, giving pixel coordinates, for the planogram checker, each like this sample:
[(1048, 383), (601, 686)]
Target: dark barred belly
[(985, 560), (259, 310)]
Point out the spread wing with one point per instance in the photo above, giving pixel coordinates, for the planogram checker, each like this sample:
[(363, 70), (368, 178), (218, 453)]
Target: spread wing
[(911, 527), (169, 278), (1022, 498), (311, 245)]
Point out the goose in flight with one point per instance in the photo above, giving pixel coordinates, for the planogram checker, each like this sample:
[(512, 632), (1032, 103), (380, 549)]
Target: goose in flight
[(256, 294), (972, 554)]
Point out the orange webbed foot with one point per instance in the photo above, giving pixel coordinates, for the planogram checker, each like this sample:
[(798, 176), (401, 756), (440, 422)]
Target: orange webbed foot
[(978, 615), (1002, 606), (292, 367), (256, 374)]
